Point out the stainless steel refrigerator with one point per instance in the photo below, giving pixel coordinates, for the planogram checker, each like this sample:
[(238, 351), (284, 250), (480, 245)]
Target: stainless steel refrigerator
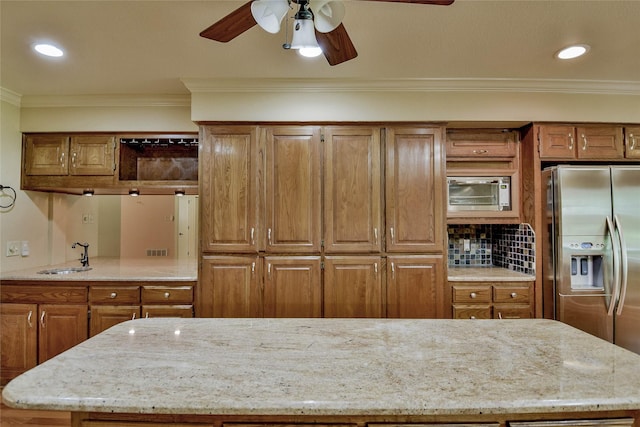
[(591, 250)]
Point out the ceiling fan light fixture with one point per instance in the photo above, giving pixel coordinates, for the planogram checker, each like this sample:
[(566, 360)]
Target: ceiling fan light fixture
[(269, 13), (573, 51), (327, 14), (304, 38), (48, 49)]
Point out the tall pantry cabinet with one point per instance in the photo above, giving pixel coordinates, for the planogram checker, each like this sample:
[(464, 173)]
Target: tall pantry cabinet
[(295, 222)]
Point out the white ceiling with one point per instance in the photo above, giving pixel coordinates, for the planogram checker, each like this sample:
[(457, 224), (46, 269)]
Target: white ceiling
[(128, 47)]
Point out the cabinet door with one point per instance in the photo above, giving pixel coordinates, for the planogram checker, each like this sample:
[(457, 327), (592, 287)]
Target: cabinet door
[(292, 287), (46, 155), (353, 286), (92, 155), (558, 142), (229, 189), (185, 311), (105, 316), (230, 287), (414, 190), (61, 327), (632, 142), (352, 216), (293, 189), (415, 287), (600, 142), (18, 339)]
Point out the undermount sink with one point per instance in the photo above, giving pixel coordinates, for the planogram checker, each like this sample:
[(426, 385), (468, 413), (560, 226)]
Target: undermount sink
[(66, 270)]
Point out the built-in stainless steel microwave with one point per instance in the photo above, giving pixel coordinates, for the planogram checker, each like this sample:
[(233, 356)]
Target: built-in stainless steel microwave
[(479, 193)]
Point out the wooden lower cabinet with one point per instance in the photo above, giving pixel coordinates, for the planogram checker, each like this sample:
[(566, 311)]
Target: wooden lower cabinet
[(414, 286), (293, 287), (105, 316), (230, 286), (491, 300), (353, 286)]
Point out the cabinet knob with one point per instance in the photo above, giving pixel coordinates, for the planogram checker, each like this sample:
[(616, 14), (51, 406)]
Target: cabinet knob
[(472, 317), (473, 295), (167, 295), (514, 294), (113, 295)]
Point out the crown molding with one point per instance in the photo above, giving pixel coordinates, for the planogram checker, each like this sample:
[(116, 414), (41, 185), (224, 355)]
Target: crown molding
[(10, 97), (302, 85), (50, 101)]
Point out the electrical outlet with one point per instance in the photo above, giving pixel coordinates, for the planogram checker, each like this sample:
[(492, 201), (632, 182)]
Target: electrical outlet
[(13, 248), (467, 245)]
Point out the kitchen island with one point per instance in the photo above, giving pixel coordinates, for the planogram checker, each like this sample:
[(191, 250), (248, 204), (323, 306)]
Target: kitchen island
[(357, 372)]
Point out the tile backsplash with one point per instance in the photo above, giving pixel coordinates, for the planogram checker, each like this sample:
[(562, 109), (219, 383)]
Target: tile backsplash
[(507, 246)]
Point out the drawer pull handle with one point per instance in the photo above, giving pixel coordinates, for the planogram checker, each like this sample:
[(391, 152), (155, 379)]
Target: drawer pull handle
[(167, 295), (514, 294), (479, 151), (473, 295), (113, 295)]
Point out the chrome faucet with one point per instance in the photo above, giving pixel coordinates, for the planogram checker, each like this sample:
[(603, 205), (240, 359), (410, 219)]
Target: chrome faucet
[(84, 259)]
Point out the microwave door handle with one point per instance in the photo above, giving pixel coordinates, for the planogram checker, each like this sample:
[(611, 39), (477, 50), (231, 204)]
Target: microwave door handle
[(616, 268), (624, 264)]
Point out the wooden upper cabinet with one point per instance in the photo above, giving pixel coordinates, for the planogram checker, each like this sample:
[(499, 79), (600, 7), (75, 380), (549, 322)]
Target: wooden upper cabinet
[(583, 143), (46, 154), (481, 144), (352, 194), (353, 286), (292, 287), (632, 142), (86, 155), (415, 205), (293, 189), (229, 286), (92, 155), (229, 189), (415, 286)]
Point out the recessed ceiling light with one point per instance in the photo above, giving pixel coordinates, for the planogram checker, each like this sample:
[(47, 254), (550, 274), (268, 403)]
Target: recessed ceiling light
[(574, 51), (48, 50)]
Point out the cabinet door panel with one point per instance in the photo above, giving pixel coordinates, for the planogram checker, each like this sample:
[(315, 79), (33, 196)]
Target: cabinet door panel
[(601, 142), (18, 339), (353, 286), (229, 189), (352, 190), (92, 155), (414, 190), (185, 311), (632, 142), (557, 141), (105, 316), (293, 189), (292, 287), (230, 287), (46, 155), (415, 287), (61, 327)]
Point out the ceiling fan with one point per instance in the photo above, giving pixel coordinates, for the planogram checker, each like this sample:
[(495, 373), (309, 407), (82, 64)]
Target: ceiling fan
[(317, 27)]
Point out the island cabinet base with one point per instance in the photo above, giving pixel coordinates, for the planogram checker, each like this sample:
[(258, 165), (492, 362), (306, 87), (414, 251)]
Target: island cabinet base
[(563, 419)]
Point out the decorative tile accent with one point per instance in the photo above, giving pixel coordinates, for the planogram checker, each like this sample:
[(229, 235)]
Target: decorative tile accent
[(506, 246)]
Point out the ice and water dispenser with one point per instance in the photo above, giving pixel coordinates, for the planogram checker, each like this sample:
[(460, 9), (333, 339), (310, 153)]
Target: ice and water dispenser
[(586, 266)]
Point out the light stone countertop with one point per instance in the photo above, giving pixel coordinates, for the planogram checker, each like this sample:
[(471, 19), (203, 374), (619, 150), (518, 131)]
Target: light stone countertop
[(114, 269), (486, 274), (352, 367)]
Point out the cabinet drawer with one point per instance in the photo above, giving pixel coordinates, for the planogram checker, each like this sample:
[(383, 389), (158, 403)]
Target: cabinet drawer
[(472, 311), (472, 294), (167, 295), (167, 311), (511, 294), (114, 295), (42, 294), (481, 144), (511, 311)]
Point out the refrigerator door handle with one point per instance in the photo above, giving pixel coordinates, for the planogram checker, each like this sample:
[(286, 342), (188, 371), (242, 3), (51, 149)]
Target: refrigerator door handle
[(616, 267), (624, 266)]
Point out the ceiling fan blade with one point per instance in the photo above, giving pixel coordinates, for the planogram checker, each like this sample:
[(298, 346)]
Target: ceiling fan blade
[(336, 45), (232, 25), (434, 2)]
